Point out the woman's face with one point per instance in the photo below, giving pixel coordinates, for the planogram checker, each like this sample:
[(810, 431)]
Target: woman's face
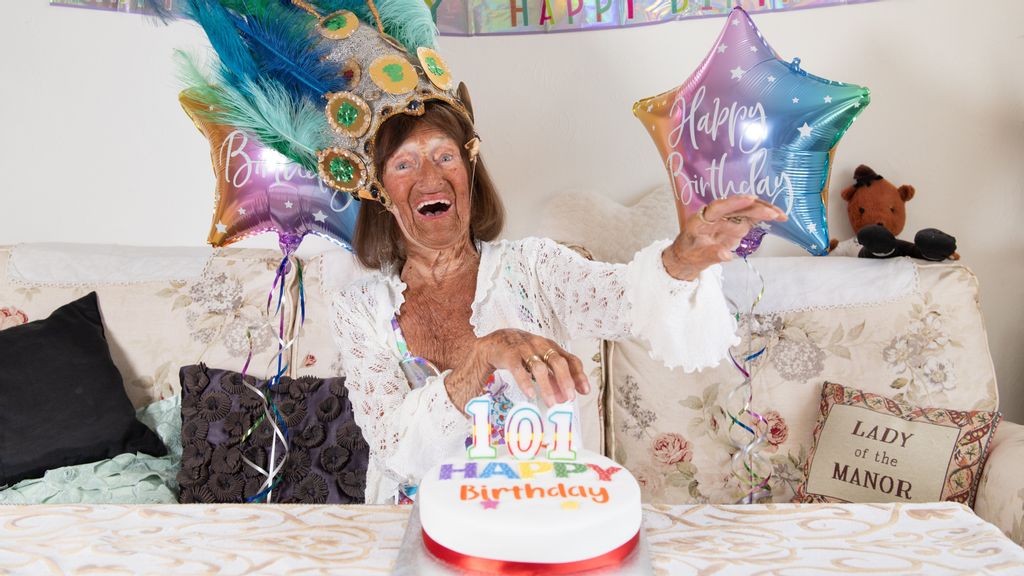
[(429, 189)]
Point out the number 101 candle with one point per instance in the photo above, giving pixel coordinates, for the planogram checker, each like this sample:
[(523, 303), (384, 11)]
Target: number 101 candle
[(524, 431)]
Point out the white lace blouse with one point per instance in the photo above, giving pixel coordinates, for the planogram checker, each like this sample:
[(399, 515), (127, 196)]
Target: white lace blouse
[(534, 285)]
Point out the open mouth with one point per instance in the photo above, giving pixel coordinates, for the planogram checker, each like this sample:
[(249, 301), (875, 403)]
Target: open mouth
[(433, 207)]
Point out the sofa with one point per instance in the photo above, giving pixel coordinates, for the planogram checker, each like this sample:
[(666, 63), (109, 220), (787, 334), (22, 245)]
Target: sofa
[(167, 308), (824, 319), (905, 329)]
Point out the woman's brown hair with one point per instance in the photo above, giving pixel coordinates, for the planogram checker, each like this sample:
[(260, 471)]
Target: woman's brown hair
[(378, 240)]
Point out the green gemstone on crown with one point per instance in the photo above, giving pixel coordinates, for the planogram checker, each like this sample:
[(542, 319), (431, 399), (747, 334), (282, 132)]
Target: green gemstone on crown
[(394, 71), (336, 22), (342, 170), (347, 114), (434, 68)]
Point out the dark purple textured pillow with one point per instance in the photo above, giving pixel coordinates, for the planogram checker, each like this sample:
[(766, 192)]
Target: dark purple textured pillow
[(327, 455)]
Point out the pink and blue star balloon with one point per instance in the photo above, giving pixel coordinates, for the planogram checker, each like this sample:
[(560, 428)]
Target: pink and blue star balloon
[(748, 122), (259, 190)]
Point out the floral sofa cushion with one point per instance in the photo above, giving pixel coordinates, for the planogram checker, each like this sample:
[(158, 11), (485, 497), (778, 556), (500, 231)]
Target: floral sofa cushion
[(314, 352), (926, 348), (156, 323)]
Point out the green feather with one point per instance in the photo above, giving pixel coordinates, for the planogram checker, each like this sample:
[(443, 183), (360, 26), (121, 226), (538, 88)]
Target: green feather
[(409, 21), (195, 79), (296, 129)]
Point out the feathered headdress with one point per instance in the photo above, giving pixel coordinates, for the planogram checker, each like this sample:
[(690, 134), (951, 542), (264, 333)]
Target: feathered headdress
[(315, 79)]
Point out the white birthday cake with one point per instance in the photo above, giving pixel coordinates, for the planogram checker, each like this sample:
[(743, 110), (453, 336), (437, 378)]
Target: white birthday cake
[(544, 515)]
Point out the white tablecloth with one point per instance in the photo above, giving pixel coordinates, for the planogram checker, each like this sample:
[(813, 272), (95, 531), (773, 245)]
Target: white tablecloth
[(785, 539)]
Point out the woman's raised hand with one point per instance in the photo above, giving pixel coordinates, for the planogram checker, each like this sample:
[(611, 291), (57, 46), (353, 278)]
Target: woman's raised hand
[(711, 235), (529, 358)]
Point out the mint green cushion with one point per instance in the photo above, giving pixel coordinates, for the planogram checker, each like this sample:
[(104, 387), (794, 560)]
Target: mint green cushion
[(124, 479)]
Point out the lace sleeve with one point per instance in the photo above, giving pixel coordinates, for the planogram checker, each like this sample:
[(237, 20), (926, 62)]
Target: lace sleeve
[(685, 324), (408, 431)]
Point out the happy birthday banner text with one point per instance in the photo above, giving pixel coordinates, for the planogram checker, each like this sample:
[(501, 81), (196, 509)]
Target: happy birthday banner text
[(487, 17)]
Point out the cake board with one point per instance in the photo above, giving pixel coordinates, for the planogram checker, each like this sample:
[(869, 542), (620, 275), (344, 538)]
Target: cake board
[(414, 559)]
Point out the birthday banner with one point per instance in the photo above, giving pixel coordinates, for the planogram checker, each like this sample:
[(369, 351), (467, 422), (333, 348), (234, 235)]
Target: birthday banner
[(485, 17), (133, 6), (489, 17)]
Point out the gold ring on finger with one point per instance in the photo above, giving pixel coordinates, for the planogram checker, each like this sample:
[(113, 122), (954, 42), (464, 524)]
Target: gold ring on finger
[(547, 355), (532, 359), (701, 216)]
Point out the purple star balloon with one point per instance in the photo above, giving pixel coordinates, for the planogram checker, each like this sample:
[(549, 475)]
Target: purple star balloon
[(747, 122), (259, 190)]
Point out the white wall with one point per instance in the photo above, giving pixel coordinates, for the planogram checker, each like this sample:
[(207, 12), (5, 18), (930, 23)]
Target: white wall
[(96, 149)]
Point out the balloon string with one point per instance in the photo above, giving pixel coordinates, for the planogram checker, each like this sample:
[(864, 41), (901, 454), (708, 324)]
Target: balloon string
[(282, 271), (271, 413), (302, 294), (748, 453), (245, 369), (248, 358), (746, 359)]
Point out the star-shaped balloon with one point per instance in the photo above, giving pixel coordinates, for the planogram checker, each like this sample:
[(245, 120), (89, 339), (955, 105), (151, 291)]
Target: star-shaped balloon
[(747, 122), (260, 190)]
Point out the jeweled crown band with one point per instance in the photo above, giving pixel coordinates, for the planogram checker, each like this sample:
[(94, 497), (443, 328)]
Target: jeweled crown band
[(384, 82)]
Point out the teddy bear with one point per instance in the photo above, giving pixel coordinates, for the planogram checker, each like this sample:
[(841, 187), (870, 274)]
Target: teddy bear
[(877, 212)]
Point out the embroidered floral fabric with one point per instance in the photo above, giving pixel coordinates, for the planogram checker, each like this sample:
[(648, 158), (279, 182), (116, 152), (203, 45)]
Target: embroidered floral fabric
[(928, 348), (534, 285)]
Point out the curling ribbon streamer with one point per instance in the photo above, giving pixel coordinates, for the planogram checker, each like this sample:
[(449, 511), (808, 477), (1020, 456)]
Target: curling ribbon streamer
[(748, 464), (475, 564), (275, 465)]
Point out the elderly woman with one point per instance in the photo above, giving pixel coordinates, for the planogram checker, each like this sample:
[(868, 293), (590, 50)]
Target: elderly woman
[(449, 307)]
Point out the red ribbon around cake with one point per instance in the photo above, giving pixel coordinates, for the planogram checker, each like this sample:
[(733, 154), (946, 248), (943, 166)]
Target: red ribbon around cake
[(476, 564)]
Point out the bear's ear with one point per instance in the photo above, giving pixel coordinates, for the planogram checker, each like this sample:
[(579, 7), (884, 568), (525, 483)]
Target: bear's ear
[(906, 192), (864, 172), (848, 193)]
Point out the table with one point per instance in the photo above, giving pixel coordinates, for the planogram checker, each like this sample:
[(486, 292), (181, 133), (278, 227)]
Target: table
[(784, 539)]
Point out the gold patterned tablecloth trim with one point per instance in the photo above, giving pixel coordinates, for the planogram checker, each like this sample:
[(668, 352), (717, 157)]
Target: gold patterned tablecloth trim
[(291, 539)]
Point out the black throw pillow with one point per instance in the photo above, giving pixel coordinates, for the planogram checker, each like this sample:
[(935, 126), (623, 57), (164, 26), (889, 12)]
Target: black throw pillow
[(327, 456), (62, 400)]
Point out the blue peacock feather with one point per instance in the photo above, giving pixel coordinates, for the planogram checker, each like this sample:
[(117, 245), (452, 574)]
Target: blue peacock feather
[(287, 47), (272, 74)]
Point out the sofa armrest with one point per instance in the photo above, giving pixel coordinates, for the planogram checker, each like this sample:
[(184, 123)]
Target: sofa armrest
[(1001, 491)]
